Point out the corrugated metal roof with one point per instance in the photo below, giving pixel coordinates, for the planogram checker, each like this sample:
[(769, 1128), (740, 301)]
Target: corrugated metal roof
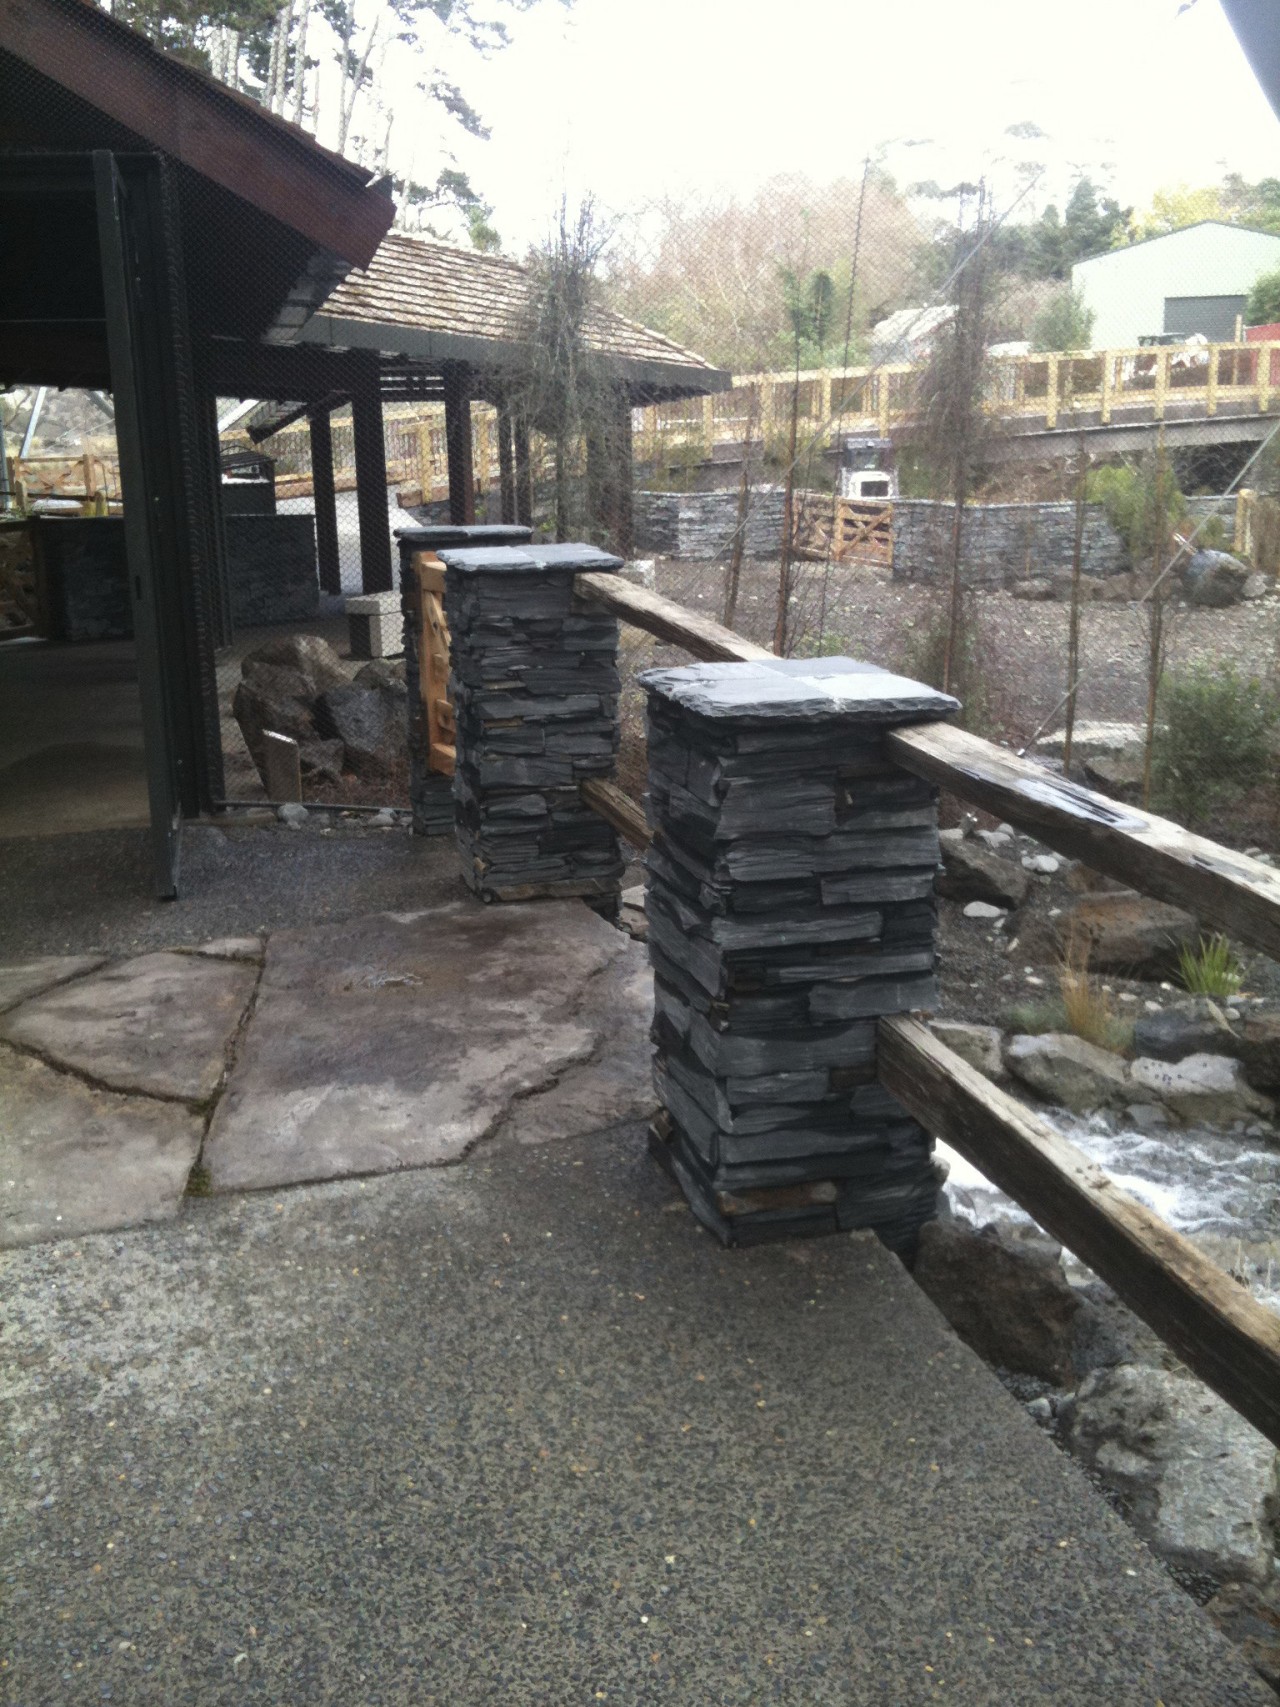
[(416, 290)]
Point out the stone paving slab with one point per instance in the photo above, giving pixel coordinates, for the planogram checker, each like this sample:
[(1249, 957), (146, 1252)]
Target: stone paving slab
[(77, 1159), (399, 1040), (159, 1025), (517, 1432), (22, 980)]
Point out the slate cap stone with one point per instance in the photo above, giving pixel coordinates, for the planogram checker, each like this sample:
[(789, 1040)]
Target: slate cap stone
[(790, 689), (436, 535), (528, 559)]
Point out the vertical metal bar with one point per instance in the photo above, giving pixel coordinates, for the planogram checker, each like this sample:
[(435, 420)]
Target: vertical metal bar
[(325, 498), (524, 472)]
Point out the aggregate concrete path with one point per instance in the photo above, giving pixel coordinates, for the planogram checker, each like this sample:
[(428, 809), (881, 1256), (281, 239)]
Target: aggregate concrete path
[(518, 1432)]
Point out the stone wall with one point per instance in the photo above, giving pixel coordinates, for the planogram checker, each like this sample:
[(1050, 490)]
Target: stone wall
[(699, 526), (1001, 543)]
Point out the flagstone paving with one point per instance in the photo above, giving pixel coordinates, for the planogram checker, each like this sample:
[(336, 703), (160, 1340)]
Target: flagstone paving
[(393, 1041)]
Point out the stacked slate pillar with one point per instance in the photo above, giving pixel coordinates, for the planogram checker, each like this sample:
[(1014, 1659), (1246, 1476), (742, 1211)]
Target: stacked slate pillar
[(430, 791), (535, 699), (790, 903)]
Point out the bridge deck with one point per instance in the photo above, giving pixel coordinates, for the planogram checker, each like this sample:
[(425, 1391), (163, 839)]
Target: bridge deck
[(517, 1431)]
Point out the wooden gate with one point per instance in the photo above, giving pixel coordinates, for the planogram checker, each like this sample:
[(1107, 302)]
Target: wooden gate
[(862, 531)]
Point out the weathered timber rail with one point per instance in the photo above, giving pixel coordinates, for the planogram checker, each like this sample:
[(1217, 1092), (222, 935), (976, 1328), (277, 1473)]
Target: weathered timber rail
[(1237, 894), (1220, 1331)]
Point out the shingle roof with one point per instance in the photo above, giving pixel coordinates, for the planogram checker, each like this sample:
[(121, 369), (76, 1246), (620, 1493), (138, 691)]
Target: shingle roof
[(431, 302)]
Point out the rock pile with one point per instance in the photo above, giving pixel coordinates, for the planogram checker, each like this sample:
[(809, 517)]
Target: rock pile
[(296, 686), (534, 688), (790, 903)]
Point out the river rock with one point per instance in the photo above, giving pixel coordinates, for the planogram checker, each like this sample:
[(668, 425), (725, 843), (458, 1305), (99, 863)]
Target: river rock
[(1189, 1029), (1214, 578), (1118, 774), (972, 873), (1006, 1297), (1257, 587), (1130, 933), (371, 724), (979, 1045), (1036, 590), (1199, 1484), (1248, 1614), (1065, 1069), (1258, 1049), (1203, 1090)]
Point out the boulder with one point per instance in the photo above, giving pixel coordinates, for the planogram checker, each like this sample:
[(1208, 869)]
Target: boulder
[(973, 873), (1039, 591), (1257, 587), (321, 761), (1065, 1069), (1189, 1029), (1089, 737), (1198, 1483), (1249, 1615), (979, 1045), (1258, 1049), (272, 696), (1006, 1297), (313, 659), (984, 910), (1119, 774), (1214, 578), (1130, 933), (381, 673), (1203, 1090), (370, 723)]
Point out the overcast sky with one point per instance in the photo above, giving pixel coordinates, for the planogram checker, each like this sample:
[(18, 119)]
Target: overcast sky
[(634, 99)]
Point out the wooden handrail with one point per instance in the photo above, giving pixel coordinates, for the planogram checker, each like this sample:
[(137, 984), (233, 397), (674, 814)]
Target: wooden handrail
[(618, 809), (707, 640), (1221, 1332), (1228, 890)]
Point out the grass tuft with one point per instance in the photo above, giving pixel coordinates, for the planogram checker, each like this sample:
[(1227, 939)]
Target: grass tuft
[(1090, 1010), (1211, 970)]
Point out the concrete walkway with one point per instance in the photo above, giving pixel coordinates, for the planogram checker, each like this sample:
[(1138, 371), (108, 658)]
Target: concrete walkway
[(516, 1431)]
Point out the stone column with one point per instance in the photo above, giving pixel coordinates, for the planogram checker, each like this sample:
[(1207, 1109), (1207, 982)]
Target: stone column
[(431, 788), (535, 698), (790, 903)]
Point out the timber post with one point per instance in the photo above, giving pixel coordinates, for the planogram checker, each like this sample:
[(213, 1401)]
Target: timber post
[(371, 472), (325, 498), (457, 432), (790, 906)]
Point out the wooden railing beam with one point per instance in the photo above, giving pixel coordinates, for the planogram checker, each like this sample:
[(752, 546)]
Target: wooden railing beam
[(1224, 889), (618, 809), (1222, 1333), (707, 640)]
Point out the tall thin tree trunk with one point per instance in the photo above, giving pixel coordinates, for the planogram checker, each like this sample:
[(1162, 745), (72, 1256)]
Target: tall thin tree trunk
[(955, 604), (300, 64)]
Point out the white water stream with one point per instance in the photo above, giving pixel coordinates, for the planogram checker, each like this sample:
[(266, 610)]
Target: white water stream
[(1220, 1189)]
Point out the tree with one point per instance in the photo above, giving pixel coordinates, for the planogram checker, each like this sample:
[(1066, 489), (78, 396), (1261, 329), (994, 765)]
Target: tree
[(1263, 305), (1065, 324), (1090, 224)]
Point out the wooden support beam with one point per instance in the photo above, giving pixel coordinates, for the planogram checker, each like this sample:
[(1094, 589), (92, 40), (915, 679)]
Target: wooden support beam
[(457, 432), (506, 462), (524, 471), (705, 639), (326, 500), (371, 472), (1227, 890), (1219, 1330), (618, 809)]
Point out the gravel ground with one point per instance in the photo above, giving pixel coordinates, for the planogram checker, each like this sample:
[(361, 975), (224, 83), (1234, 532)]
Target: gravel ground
[(1023, 644)]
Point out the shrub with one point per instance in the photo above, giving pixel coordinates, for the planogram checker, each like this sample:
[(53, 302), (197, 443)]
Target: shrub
[(1211, 739), (1212, 970), (1142, 503), (1263, 306), (1066, 323)]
